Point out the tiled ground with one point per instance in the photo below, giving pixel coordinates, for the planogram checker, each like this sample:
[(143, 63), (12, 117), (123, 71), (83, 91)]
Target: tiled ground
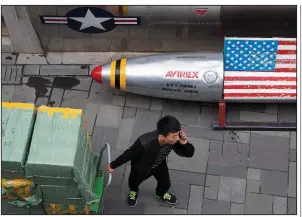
[(230, 173)]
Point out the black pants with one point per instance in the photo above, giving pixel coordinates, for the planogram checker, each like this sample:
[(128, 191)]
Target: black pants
[(160, 173)]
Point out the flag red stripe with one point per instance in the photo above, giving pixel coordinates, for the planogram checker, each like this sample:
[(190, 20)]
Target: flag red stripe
[(62, 19), (285, 70), (260, 87), (287, 42), (260, 94), (286, 52), (286, 61), (239, 78)]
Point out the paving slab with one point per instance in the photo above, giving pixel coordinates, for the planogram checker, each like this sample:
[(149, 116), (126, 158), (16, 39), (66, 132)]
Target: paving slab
[(292, 182), (207, 116), (235, 154), (125, 132), (86, 57), (186, 112), (54, 58), (253, 174), (155, 210), (285, 134), (249, 107), (226, 170), (280, 205), (272, 108), (75, 99), (24, 94), (204, 133), (118, 100), (232, 189), (253, 186), (269, 152), (31, 70), (118, 207), (293, 155), (274, 183), (75, 83), (64, 70), (156, 104), (187, 177), (129, 112), (293, 140), (197, 163), (216, 146), (182, 192), (11, 74), (258, 204), (101, 94), (138, 101), (7, 92), (212, 187), (145, 121), (287, 112), (195, 199), (256, 116), (90, 114), (98, 138), (109, 116), (237, 209), (8, 58), (237, 136), (216, 207), (146, 192), (36, 59), (56, 97), (292, 206), (42, 101)]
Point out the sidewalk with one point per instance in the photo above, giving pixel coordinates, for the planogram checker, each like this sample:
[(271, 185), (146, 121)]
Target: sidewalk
[(239, 172)]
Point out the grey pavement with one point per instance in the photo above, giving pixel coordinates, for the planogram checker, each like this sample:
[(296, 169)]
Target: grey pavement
[(232, 172)]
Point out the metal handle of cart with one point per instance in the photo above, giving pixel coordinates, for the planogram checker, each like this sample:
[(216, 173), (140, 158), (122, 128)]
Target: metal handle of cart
[(106, 145)]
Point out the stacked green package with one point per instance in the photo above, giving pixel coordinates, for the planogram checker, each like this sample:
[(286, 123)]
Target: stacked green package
[(60, 160), (17, 125)]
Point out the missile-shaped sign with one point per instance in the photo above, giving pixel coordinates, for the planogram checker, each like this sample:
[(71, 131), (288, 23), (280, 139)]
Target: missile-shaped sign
[(248, 70)]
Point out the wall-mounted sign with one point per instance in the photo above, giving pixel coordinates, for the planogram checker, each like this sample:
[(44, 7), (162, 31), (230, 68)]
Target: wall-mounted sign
[(90, 20)]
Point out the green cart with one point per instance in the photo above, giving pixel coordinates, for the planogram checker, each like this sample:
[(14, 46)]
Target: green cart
[(99, 188)]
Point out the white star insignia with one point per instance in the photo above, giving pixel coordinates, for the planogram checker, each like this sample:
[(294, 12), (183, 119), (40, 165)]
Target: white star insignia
[(90, 20)]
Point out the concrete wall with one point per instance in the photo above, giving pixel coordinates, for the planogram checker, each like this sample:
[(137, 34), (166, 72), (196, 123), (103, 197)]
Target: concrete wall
[(235, 21), (131, 39)]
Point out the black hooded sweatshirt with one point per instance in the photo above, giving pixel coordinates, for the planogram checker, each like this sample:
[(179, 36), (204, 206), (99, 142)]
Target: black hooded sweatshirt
[(143, 153)]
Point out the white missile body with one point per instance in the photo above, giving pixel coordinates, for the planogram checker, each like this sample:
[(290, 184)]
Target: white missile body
[(201, 76)]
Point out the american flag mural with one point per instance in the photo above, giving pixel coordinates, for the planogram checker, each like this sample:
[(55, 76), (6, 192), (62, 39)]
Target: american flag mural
[(259, 68)]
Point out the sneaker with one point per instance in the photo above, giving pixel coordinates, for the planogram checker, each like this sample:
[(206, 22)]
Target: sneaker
[(132, 198), (169, 198)]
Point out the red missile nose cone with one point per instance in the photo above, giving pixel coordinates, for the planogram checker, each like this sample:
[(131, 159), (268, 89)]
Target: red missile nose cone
[(96, 74)]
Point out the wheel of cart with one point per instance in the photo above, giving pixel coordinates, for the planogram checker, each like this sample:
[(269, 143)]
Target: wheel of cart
[(99, 188)]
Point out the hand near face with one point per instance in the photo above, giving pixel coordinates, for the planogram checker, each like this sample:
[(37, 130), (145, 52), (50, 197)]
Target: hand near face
[(183, 139)]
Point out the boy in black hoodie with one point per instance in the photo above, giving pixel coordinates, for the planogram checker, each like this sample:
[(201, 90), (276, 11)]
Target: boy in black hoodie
[(148, 158)]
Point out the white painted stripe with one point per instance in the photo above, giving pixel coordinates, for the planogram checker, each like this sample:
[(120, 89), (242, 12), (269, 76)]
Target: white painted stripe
[(259, 98), (286, 56), (125, 23), (259, 74), (259, 90), (55, 18), (260, 83), (260, 39), (287, 47), (124, 18), (65, 22), (291, 65)]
